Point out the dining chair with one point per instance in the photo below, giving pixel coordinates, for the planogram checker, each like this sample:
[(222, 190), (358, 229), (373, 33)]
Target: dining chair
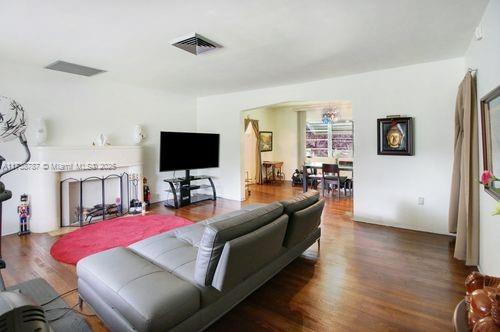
[(313, 178), (348, 184), (331, 176), (280, 175)]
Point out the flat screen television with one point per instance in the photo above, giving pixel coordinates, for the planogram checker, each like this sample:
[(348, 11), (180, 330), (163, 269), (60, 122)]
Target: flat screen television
[(186, 151)]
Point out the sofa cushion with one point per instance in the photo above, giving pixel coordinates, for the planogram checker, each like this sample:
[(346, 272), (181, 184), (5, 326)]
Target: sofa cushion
[(208, 294), (300, 202), (157, 244), (224, 216), (253, 206), (221, 229), (247, 254), (166, 250), (147, 296), (172, 252), (191, 234), (302, 223)]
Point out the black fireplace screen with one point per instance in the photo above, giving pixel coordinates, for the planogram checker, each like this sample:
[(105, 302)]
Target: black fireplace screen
[(85, 205)]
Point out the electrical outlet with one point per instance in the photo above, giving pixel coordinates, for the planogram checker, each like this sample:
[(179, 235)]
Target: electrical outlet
[(420, 201)]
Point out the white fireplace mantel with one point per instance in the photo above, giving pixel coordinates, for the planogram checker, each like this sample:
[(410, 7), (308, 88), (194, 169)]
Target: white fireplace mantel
[(55, 163), (122, 155)]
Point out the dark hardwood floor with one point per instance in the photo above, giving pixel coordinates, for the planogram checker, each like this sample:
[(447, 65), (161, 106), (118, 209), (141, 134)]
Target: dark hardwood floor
[(365, 278)]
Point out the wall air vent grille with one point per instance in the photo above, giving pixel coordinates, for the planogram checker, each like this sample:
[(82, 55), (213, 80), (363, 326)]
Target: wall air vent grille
[(195, 44), (72, 68)]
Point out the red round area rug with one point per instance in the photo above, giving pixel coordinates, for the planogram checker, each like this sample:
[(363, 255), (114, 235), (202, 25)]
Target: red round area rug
[(118, 232)]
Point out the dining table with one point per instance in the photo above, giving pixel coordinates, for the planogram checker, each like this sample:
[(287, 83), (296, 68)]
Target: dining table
[(314, 166)]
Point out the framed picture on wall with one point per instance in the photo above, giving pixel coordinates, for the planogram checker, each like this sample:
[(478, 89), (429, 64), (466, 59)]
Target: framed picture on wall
[(395, 136), (266, 141), (490, 127)]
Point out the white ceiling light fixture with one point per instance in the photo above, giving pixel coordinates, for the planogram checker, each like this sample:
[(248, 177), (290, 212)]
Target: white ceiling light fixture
[(195, 44), (330, 115)]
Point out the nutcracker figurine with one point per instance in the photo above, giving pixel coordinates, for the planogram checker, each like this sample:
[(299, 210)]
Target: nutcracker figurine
[(24, 215), (146, 191)]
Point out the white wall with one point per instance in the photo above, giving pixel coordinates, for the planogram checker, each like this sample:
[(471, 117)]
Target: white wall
[(78, 109), (386, 187), (484, 55), (286, 140)]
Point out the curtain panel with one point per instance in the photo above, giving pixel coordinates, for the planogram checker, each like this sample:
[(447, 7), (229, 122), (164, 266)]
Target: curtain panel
[(258, 162), (464, 198)]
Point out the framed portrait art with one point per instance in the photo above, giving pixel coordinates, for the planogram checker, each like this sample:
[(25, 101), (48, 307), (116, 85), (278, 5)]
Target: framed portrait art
[(395, 136), (266, 141)]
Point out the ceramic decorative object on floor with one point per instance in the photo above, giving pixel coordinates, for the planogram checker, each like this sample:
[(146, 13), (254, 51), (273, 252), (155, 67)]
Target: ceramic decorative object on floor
[(118, 232), (482, 299)]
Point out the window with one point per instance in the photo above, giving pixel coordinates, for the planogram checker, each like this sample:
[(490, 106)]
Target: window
[(329, 139)]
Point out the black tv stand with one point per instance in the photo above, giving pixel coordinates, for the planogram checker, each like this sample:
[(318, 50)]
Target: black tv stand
[(182, 190)]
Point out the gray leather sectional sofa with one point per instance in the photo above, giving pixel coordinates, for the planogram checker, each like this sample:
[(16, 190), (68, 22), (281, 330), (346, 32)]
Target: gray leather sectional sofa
[(187, 278)]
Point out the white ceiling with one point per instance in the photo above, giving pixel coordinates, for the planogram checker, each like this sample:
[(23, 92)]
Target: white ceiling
[(266, 42)]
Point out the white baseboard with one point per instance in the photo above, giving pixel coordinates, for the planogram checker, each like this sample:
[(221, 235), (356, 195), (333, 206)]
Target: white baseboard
[(402, 226)]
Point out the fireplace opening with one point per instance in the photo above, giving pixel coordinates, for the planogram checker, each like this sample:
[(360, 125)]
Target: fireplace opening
[(92, 199)]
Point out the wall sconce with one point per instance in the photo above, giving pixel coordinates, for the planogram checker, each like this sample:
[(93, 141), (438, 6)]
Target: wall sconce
[(138, 134)]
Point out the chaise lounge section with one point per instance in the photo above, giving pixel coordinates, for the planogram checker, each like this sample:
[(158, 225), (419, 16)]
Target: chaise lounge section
[(187, 278)]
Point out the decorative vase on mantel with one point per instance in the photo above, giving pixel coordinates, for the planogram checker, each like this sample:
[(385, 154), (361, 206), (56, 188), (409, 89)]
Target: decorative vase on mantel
[(102, 140), (138, 134)]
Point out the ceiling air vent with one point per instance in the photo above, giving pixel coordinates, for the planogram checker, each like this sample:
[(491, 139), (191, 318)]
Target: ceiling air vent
[(195, 44), (72, 68)]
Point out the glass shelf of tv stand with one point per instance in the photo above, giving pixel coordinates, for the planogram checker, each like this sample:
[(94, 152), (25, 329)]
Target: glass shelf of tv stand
[(191, 187), (192, 178), (195, 198)]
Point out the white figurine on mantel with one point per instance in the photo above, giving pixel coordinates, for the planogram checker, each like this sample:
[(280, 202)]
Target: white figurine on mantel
[(102, 140)]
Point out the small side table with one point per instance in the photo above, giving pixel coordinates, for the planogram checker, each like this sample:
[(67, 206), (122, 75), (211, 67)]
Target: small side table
[(273, 165)]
